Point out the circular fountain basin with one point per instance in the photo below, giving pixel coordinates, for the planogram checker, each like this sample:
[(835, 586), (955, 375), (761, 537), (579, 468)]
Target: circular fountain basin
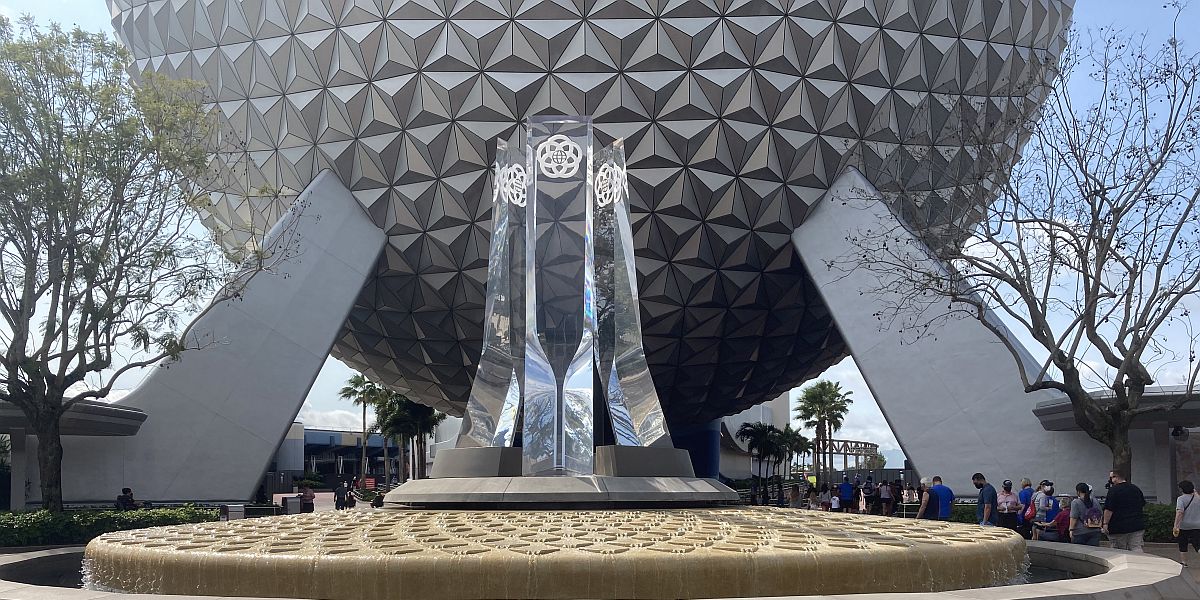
[(667, 553)]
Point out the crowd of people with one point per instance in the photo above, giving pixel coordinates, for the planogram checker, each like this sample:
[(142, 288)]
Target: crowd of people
[(1036, 512)]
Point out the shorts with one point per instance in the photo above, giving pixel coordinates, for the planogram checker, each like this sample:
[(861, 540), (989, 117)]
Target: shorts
[(1132, 541), (1189, 536)]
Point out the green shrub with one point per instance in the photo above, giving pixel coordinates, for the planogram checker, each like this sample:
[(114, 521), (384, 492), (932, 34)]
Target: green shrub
[(1159, 520), (41, 528)]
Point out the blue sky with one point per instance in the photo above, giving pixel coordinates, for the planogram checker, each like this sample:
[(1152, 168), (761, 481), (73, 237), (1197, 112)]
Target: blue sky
[(864, 422)]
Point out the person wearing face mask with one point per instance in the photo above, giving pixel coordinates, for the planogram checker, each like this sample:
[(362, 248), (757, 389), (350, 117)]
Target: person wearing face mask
[(1085, 517), (1044, 504), (986, 511), (1124, 521), (1009, 506)]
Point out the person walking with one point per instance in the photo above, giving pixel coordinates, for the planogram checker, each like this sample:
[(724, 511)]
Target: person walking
[(1124, 522), (986, 512), (846, 492), (945, 497), (1085, 517), (885, 497), (1187, 520), (1008, 505), (340, 493)]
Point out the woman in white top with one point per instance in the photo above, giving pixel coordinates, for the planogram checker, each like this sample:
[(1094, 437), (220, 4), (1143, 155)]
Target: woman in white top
[(1187, 520)]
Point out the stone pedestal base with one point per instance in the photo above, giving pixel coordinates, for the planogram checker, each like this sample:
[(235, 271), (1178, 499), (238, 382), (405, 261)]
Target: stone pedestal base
[(642, 461), (560, 492), (476, 462)]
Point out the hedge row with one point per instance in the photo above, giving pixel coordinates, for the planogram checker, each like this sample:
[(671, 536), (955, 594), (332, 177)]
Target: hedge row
[(43, 528), (1159, 519)]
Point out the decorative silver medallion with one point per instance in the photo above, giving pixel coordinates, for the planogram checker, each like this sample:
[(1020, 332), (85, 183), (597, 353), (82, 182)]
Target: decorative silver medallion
[(511, 181), (610, 182), (559, 157)]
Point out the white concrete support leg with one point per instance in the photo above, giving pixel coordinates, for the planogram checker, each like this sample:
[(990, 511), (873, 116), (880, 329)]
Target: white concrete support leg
[(217, 415), (954, 400)]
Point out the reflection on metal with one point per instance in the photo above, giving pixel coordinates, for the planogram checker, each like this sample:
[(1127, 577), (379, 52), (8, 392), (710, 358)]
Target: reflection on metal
[(492, 407), (562, 308), (637, 416)]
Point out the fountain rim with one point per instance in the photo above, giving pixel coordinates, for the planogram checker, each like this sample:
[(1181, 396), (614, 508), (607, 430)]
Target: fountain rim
[(1139, 575)]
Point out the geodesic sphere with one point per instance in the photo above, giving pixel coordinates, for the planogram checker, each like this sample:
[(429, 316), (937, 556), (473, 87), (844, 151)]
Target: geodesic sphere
[(736, 114)]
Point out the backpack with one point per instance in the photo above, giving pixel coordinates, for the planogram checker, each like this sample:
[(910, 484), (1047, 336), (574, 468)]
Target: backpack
[(1092, 518), (1031, 510)]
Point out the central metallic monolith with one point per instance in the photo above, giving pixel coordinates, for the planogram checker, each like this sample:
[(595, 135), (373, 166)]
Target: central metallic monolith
[(562, 327)]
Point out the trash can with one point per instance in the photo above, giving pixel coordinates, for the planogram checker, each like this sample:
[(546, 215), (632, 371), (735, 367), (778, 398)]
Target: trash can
[(230, 512)]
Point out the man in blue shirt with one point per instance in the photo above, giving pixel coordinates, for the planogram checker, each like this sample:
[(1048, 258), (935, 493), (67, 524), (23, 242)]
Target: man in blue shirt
[(846, 494), (945, 497), (985, 509)]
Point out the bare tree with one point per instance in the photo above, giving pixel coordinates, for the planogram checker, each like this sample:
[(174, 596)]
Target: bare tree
[(102, 255), (1087, 244)]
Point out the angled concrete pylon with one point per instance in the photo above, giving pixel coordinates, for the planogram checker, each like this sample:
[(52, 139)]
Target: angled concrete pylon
[(215, 417), (955, 400)]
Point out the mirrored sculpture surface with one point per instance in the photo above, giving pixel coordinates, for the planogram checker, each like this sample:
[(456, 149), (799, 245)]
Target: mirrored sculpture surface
[(562, 328)]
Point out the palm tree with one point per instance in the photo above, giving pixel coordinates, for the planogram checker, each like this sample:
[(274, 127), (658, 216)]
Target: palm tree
[(794, 444), (394, 421), (823, 406), (757, 437), (398, 416), (362, 391), (426, 420)]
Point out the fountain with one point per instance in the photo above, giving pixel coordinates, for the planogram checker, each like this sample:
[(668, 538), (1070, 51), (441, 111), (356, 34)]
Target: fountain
[(564, 482)]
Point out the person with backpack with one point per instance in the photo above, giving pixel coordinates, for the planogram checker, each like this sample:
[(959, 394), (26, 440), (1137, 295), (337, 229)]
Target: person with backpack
[(1044, 508), (1086, 517), (1187, 520), (1025, 497)]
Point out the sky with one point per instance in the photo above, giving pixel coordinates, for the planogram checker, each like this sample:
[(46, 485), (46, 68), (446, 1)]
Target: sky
[(865, 421)]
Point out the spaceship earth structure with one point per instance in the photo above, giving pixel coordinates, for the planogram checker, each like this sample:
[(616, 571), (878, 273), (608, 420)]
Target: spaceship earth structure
[(736, 114)]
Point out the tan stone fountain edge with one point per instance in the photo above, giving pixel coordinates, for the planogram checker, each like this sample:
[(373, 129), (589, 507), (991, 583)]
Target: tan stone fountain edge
[(1109, 574)]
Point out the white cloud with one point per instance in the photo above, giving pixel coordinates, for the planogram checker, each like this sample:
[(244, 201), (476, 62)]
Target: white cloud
[(346, 420)]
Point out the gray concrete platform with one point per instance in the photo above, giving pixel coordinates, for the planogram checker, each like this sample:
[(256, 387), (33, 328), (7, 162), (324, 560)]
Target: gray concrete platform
[(561, 492), (1108, 575)]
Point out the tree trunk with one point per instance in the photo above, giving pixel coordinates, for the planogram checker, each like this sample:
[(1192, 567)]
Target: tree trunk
[(387, 466), (421, 454), (362, 473), (50, 453), (1122, 452)]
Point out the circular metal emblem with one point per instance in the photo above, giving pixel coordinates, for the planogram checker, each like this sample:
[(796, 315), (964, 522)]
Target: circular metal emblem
[(511, 182), (610, 182), (559, 157)]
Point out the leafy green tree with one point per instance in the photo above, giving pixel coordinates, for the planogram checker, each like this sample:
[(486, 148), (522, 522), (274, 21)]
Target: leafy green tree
[(876, 462), (101, 248), (823, 406)]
